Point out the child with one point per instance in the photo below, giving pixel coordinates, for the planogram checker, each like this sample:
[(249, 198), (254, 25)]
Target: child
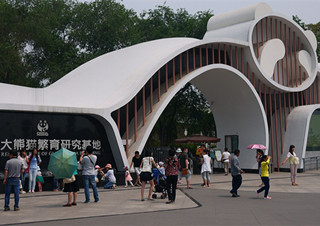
[(161, 168), (96, 171), (206, 168), (39, 179), (128, 177), (265, 177)]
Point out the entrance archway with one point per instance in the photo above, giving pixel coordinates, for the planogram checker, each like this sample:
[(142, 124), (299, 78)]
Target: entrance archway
[(234, 102)]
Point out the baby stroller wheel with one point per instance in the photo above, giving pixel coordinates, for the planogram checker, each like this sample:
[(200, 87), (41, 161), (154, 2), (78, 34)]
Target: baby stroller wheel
[(163, 196), (154, 196)]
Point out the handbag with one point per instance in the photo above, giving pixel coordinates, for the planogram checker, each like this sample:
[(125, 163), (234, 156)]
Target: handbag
[(185, 171), (69, 180), (296, 160)]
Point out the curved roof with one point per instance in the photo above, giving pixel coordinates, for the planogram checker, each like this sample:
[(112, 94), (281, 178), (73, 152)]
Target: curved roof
[(103, 81), (109, 81), (106, 80)]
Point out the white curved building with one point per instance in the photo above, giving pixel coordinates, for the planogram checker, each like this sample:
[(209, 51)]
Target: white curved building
[(257, 69)]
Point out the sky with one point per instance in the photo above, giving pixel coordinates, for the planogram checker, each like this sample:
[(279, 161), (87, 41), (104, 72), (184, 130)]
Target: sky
[(307, 10)]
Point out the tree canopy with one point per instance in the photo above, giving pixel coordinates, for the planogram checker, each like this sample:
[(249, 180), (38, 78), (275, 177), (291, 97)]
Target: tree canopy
[(43, 40)]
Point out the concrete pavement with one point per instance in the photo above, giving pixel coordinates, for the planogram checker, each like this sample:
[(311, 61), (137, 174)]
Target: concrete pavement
[(294, 205)]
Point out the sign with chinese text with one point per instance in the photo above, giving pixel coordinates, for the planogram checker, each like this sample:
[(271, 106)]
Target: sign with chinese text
[(48, 132)]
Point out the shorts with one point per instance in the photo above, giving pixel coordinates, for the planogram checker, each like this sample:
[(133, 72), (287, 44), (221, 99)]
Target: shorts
[(188, 176), (146, 176), (137, 170), (206, 175)]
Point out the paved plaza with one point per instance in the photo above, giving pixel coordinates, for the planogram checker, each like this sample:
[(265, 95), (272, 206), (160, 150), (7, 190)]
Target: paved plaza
[(290, 205)]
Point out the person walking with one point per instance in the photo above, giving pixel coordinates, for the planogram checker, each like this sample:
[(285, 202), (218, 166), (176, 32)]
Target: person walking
[(24, 159), (12, 171), (236, 172), (88, 162), (34, 161), (136, 161), (265, 177), (206, 162), (146, 173), (259, 156), (171, 166), (226, 157), (294, 162), (184, 170)]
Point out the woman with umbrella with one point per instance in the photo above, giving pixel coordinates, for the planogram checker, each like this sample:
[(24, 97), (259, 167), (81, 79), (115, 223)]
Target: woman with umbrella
[(72, 189), (63, 164), (259, 156)]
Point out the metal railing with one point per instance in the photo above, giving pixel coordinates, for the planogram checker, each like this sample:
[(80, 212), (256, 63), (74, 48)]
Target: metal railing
[(311, 163)]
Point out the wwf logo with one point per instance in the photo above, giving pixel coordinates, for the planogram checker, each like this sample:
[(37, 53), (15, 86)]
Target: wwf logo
[(42, 127)]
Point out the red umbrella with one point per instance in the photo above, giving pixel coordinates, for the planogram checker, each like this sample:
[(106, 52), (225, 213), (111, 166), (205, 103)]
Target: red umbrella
[(197, 139)]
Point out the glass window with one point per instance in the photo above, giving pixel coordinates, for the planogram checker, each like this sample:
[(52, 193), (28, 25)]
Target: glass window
[(313, 143)]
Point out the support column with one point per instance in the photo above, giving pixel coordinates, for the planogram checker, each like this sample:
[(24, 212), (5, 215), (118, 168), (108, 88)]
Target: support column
[(127, 130), (135, 118)]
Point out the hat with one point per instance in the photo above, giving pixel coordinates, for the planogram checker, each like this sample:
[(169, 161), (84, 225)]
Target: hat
[(161, 163), (108, 165), (178, 150), (97, 167)]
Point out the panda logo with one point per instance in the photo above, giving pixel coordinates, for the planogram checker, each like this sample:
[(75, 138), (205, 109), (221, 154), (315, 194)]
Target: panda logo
[(42, 127)]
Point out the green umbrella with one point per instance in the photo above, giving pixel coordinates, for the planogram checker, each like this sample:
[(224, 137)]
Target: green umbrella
[(63, 163)]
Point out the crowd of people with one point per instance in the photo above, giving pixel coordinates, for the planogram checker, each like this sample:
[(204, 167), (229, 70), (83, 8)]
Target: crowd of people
[(175, 167)]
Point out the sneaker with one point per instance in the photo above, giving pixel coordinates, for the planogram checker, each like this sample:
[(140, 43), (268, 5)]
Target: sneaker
[(22, 192), (16, 208), (126, 186), (235, 195), (6, 208), (267, 197)]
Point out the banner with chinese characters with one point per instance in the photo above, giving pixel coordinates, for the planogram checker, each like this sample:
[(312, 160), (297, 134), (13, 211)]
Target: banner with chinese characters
[(48, 132)]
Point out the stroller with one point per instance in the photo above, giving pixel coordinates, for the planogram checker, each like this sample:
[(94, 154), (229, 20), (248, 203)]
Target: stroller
[(160, 184)]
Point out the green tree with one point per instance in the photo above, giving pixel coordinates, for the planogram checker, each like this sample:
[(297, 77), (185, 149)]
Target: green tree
[(12, 68), (103, 26), (187, 110), (315, 28), (163, 22)]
